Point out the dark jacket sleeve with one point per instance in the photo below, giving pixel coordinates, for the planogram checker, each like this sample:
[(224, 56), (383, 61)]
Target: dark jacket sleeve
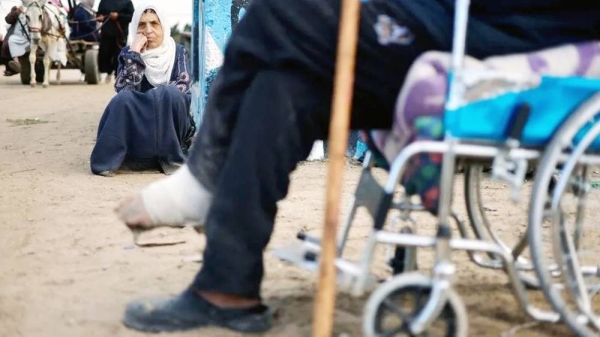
[(11, 18), (102, 9), (105, 7), (126, 14)]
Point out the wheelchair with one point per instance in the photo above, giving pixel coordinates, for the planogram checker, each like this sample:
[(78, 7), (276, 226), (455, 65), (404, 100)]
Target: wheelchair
[(499, 113)]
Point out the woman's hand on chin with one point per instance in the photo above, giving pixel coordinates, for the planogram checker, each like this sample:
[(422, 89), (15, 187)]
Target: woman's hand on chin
[(139, 43)]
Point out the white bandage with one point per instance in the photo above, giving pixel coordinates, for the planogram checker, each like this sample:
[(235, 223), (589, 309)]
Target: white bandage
[(179, 199)]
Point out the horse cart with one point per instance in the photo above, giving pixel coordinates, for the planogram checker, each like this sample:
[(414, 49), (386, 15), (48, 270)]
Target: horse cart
[(81, 55)]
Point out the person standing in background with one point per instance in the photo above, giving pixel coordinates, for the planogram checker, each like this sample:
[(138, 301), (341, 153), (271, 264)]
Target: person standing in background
[(16, 42), (117, 15), (83, 26)]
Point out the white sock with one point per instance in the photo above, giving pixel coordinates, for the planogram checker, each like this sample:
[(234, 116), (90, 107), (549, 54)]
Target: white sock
[(317, 152), (179, 199)]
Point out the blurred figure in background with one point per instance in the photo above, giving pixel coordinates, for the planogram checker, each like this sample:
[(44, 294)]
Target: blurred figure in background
[(117, 15), (84, 25), (16, 43)]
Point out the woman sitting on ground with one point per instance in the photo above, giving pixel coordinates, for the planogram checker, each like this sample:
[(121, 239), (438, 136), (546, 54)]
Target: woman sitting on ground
[(148, 122)]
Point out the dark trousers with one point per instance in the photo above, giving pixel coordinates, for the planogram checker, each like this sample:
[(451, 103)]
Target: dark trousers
[(270, 101), (110, 48)]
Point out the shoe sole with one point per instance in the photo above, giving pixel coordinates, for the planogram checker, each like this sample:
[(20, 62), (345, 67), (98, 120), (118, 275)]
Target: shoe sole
[(252, 325)]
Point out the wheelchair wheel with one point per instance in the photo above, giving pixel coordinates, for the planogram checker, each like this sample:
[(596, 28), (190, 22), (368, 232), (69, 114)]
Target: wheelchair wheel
[(569, 204), (479, 212), (395, 304), (473, 199)]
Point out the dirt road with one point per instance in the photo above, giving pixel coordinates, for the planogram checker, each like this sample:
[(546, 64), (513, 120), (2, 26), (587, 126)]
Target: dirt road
[(68, 267)]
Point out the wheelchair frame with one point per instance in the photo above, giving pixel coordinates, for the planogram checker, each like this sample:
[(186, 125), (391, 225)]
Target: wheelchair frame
[(510, 164)]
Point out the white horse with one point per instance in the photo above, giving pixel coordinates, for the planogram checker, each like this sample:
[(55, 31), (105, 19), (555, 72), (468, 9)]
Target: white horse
[(48, 28)]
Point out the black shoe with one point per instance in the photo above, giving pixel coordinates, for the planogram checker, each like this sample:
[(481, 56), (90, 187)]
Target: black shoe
[(188, 311), (14, 66)]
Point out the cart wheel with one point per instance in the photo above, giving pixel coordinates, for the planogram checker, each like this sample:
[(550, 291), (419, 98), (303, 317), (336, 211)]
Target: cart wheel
[(397, 303), (92, 73), (26, 70)]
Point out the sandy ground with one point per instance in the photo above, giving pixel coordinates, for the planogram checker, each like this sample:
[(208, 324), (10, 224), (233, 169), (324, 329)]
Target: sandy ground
[(68, 267)]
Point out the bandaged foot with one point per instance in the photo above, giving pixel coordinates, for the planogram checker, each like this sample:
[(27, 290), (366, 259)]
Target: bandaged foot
[(176, 201)]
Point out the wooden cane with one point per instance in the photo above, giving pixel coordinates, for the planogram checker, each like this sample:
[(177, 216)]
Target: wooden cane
[(324, 305)]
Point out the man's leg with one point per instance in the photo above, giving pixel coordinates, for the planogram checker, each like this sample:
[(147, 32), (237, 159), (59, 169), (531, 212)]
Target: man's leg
[(120, 42), (282, 114), (255, 175), (104, 54), (113, 54)]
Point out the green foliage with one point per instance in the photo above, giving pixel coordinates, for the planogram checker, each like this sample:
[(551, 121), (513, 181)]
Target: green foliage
[(181, 37), (27, 121)]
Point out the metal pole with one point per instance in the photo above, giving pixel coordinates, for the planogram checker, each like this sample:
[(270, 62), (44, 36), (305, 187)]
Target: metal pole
[(198, 63), (461, 20)]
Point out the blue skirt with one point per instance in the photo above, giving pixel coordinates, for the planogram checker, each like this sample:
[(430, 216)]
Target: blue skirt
[(144, 127)]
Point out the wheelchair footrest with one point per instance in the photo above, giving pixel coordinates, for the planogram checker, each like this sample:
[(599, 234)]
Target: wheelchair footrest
[(349, 276), (299, 254)]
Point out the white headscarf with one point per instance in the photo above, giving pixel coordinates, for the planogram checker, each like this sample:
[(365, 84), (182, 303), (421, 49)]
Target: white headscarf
[(88, 6), (160, 60), (88, 3)]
